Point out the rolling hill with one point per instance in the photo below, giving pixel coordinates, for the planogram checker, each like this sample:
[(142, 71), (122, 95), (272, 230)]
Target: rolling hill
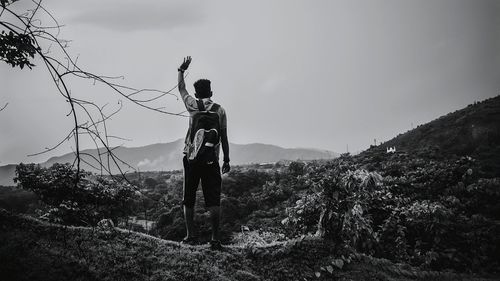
[(465, 131), (472, 131)]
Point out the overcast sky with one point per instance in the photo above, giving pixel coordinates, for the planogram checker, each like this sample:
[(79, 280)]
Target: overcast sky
[(319, 74)]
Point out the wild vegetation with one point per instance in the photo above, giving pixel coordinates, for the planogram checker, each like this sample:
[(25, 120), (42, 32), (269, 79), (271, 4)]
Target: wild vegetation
[(430, 208), (472, 131), (437, 215), (434, 214), (43, 251)]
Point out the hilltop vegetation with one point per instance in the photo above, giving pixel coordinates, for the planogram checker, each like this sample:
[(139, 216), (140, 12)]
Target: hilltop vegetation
[(473, 131), (49, 252), (434, 215)]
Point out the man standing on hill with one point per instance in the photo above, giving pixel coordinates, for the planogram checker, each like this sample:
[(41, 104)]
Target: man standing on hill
[(207, 130)]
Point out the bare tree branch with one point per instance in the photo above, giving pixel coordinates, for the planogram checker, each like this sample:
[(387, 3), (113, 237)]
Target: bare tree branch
[(88, 118)]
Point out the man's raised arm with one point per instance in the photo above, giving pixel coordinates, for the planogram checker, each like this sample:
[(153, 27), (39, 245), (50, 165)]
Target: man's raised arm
[(188, 100)]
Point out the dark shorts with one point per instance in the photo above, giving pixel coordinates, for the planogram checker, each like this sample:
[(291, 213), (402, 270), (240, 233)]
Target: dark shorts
[(211, 180)]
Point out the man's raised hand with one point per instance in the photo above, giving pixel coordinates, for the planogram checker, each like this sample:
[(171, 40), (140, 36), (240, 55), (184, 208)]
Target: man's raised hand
[(185, 64)]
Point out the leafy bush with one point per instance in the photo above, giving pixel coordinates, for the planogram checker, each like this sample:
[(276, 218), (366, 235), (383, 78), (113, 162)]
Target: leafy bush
[(433, 213), (85, 202)]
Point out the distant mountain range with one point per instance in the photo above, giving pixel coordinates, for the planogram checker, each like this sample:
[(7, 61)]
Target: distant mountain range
[(168, 156), (472, 131)]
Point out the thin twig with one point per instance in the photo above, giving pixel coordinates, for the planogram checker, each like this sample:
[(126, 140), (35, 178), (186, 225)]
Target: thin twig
[(88, 117)]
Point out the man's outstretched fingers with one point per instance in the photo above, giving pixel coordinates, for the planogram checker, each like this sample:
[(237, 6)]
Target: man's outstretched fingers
[(185, 63)]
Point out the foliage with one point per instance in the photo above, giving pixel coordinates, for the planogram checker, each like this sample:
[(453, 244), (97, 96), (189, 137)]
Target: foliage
[(472, 131), (303, 216), (5, 3), (150, 182), (427, 210), (438, 214), (18, 200), (40, 251), (84, 203), (17, 49)]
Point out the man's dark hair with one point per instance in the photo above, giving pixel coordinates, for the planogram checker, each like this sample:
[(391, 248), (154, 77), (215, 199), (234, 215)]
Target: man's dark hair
[(202, 88)]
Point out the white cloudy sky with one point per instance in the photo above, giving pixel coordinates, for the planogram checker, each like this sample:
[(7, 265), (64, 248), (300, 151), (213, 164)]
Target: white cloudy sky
[(319, 74)]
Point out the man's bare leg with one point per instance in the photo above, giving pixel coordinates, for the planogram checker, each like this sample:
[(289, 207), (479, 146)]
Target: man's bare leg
[(215, 220), (189, 219)]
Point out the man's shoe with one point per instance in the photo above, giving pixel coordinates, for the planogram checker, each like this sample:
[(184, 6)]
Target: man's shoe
[(197, 144), (215, 245)]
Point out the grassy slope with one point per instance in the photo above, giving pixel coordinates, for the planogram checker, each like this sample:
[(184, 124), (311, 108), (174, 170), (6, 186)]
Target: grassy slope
[(34, 250), (473, 131), (461, 132)]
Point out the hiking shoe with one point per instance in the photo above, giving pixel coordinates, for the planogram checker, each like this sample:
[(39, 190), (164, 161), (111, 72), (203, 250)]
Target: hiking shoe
[(215, 245), (189, 241), (197, 143)]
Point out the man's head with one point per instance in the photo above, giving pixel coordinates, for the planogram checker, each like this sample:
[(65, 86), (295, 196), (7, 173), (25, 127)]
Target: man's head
[(202, 89)]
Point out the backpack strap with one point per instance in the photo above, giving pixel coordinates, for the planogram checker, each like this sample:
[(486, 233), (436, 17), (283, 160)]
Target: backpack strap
[(201, 106), (215, 107)]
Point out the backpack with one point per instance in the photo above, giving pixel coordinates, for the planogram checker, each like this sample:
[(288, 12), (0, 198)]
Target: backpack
[(204, 135)]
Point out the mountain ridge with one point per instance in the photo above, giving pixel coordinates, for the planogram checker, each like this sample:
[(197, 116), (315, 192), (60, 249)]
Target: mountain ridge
[(168, 156), (460, 132), (473, 131)]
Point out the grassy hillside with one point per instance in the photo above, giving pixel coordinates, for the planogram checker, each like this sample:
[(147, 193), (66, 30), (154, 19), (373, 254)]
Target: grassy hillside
[(472, 131), (34, 250)]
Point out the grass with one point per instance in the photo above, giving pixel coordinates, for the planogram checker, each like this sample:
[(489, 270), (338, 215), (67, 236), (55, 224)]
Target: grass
[(34, 250)]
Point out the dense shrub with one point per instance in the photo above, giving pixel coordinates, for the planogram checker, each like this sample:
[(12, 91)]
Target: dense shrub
[(438, 214), (85, 202)]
